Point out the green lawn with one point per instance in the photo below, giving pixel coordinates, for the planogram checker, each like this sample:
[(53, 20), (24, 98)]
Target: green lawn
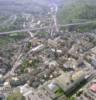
[(16, 96)]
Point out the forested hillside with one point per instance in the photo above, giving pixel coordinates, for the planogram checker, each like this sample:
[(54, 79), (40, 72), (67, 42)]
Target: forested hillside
[(80, 10)]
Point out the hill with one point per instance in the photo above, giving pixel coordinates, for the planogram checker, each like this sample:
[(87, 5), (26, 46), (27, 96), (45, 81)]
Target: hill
[(79, 10)]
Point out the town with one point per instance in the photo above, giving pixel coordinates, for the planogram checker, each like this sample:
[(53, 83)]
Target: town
[(42, 59), (51, 68)]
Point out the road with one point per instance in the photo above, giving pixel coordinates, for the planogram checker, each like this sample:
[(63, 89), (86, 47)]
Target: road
[(22, 30), (46, 27), (54, 25)]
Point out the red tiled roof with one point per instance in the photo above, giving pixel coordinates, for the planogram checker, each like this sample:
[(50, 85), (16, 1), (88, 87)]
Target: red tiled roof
[(93, 87)]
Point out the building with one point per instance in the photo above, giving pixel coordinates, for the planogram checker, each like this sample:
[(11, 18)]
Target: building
[(93, 50), (89, 91), (54, 91), (71, 64), (2, 97), (93, 87), (74, 51), (70, 84), (65, 85)]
